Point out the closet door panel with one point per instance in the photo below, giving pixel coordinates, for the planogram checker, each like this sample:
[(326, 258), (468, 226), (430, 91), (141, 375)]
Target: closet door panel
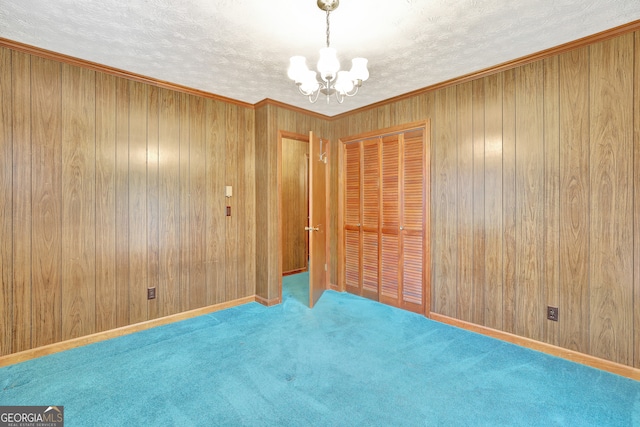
[(413, 178), (370, 217), (370, 264), (390, 181), (352, 260), (352, 206), (389, 289), (352, 224), (412, 271)]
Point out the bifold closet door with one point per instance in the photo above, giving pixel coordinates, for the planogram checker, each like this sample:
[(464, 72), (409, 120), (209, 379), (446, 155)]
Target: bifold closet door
[(352, 242), (362, 218), (403, 221), (370, 230)]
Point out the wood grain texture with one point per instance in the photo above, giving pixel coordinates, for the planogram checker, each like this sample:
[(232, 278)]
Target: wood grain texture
[(611, 173), (215, 202), (169, 203), (248, 179), (493, 208), (122, 203), (105, 199), (551, 250), (478, 220), (47, 203), (464, 212), (509, 200), (138, 229), (197, 207), (530, 201), (78, 290), (108, 194), (636, 208), (445, 198), (22, 206), (185, 202), (231, 223), (6, 205), (153, 214), (574, 197)]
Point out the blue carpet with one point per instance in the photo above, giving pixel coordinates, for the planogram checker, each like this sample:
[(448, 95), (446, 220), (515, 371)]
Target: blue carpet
[(296, 287), (347, 362)]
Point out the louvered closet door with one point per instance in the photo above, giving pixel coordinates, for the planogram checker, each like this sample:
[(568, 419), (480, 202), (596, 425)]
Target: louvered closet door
[(352, 247), (370, 230), (390, 230), (403, 219), (412, 225)]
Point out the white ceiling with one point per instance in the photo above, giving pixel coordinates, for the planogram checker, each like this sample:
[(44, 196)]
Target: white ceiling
[(240, 48)]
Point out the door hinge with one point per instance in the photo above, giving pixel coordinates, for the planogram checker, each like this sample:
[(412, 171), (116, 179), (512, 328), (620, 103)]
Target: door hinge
[(325, 267)]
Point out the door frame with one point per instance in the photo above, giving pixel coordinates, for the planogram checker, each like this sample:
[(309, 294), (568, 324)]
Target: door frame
[(427, 270), (298, 137)]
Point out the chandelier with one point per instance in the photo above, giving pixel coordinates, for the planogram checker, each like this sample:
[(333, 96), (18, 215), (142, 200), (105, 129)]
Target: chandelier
[(329, 80)]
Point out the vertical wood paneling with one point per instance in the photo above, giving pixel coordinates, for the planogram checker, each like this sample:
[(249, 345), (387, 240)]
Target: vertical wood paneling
[(198, 198), (529, 206), (106, 231), (22, 206), (185, 204), (215, 214), (138, 228), (78, 208), (464, 214), (169, 183), (611, 170), (231, 229), (47, 205), (574, 197), (249, 212), (551, 193), (6, 205), (478, 219), (636, 198), (493, 209), (153, 220), (445, 196), (105, 192), (509, 199), (122, 203)]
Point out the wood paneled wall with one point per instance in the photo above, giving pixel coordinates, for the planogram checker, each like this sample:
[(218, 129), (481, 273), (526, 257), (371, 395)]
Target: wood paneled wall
[(535, 189), (108, 187)]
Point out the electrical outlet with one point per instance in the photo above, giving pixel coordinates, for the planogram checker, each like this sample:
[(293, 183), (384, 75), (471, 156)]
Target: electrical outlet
[(552, 313), (151, 293)]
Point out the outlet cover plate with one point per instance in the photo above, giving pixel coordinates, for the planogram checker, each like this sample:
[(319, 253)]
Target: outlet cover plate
[(151, 293), (552, 313)]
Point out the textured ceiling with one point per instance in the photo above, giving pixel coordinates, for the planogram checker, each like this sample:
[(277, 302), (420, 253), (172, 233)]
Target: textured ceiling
[(240, 48)]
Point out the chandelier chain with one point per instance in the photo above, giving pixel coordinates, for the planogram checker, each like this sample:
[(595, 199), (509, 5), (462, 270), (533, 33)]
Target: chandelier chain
[(327, 28)]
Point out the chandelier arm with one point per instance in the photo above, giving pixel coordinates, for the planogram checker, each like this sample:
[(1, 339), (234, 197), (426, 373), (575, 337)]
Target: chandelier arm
[(354, 92), (313, 98)]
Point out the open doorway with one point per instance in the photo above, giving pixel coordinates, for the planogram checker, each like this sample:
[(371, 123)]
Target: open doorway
[(294, 208)]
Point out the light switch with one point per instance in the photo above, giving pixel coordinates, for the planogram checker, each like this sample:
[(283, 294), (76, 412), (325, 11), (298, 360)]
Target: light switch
[(228, 191)]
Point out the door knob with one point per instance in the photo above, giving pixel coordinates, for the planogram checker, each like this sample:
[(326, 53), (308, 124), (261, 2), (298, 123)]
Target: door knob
[(401, 228)]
